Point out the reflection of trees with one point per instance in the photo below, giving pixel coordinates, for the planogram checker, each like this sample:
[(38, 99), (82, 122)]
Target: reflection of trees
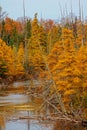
[(2, 123)]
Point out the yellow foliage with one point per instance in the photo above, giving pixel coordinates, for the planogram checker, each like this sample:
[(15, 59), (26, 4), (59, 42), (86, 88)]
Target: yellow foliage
[(64, 65), (69, 92), (12, 59)]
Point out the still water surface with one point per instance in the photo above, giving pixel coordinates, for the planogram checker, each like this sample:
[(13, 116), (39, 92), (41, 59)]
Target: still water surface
[(12, 121)]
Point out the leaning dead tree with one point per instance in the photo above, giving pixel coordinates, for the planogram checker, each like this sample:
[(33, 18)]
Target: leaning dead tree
[(47, 100)]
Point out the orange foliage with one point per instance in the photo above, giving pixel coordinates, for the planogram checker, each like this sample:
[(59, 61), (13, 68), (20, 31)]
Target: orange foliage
[(10, 25)]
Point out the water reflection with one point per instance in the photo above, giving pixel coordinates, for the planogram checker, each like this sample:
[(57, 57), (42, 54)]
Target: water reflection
[(2, 123), (23, 125), (9, 118), (34, 125), (14, 98)]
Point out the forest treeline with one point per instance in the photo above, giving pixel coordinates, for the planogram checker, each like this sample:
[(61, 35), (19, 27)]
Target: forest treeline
[(45, 49)]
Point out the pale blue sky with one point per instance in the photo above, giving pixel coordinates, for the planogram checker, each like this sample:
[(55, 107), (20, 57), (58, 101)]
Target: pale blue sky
[(47, 9)]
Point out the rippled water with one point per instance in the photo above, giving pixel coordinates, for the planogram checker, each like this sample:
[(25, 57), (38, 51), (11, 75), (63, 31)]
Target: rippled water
[(13, 122), (14, 98)]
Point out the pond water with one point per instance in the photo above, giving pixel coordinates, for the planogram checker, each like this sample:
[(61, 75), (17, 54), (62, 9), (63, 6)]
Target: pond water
[(24, 125), (12, 120)]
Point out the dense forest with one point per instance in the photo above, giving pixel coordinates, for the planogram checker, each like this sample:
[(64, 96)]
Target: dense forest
[(54, 53)]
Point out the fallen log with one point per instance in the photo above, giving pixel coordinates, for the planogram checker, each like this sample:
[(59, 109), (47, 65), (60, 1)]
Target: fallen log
[(50, 118)]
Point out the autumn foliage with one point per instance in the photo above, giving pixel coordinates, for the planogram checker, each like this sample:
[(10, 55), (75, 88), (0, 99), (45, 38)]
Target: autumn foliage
[(48, 46)]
